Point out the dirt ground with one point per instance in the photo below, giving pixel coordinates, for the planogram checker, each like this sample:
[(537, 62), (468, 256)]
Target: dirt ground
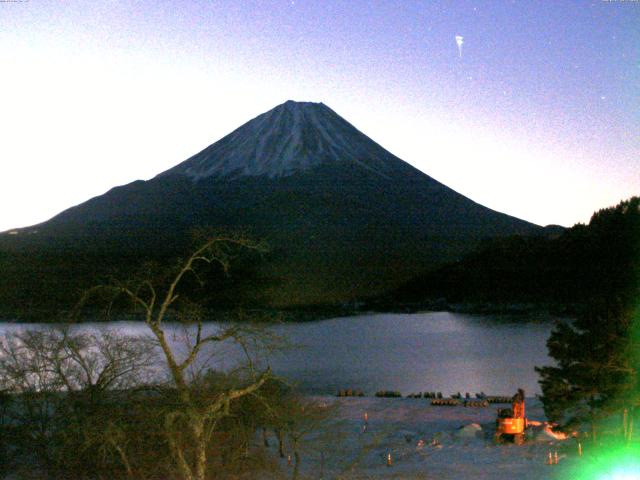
[(425, 442)]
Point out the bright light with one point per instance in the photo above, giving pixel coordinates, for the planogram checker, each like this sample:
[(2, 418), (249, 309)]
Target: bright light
[(609, 463), (624, 474)]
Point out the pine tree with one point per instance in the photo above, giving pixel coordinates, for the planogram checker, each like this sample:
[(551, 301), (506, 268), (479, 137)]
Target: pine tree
[(596, 376)]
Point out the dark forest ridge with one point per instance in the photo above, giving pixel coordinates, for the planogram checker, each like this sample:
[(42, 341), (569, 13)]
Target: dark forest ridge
[(565, 269)]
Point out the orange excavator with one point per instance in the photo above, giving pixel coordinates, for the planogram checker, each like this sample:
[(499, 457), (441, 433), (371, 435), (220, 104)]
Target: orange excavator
[(511, 422)]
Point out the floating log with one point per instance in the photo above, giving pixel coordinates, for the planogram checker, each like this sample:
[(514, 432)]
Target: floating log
[(498, 399), (349, 392), (476, 403)]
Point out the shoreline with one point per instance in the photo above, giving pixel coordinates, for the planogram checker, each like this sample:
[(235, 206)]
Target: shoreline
[(317, 313), (426, 441)]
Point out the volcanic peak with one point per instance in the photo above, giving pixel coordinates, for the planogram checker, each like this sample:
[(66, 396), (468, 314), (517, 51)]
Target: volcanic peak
[(292, 137)]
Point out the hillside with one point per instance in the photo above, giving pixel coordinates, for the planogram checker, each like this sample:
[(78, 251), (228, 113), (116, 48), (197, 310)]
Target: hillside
[(599, 259)]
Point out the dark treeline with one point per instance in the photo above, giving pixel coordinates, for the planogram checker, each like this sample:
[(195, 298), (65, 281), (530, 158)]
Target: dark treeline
[(42, 280), (568, 269)]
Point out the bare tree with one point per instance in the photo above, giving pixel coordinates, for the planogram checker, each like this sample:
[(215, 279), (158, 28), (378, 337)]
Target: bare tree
[(57, 359), (92, 405), (197, 411), (59, 382), (302, 419)]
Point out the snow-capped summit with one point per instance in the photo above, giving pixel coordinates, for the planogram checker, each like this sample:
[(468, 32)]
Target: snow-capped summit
[(292, 137)]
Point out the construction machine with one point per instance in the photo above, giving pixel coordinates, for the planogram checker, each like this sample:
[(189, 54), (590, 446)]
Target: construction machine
[(512, 422)]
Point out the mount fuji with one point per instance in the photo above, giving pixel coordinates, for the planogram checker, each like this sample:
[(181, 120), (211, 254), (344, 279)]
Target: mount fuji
[(292, 138), (344, 217)]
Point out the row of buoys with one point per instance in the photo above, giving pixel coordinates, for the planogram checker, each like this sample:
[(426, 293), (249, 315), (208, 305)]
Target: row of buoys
[(445, 402), (476, 403), (482, 399), (388, 394), (349, 392)]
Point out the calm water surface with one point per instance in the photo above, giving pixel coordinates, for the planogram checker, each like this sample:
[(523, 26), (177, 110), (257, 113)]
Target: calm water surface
[(446, 352)]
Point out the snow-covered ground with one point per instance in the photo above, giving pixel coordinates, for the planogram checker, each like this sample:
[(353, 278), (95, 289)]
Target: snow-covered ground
[(427, 442)]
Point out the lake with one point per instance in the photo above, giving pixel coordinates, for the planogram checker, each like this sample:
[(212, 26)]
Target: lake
[(442, 351)]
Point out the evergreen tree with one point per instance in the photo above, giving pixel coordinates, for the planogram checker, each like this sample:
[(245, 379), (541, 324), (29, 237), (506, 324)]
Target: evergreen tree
[(596, 376)]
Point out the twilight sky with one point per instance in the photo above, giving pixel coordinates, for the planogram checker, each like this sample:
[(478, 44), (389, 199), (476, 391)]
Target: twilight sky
[(540, 118)]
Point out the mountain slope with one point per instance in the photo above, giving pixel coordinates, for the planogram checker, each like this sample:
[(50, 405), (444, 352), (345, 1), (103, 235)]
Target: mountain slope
[(344, 217)]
